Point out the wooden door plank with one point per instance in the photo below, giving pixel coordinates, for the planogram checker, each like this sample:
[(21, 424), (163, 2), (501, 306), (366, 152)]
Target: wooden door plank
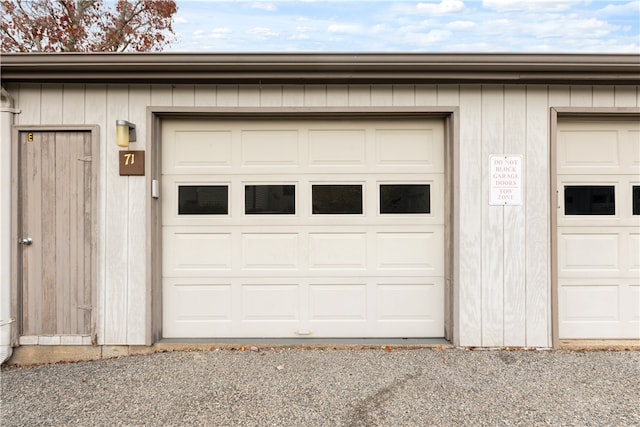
[(62, 234), (48, 235), (30, 187), (86, 287)]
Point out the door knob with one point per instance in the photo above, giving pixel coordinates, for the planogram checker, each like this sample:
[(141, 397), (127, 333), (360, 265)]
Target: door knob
[(25, 241)]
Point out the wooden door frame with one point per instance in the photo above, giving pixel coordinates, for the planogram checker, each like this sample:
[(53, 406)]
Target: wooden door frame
[(559, 114), (16, 223)]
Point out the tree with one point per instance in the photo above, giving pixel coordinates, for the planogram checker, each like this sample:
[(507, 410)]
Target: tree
[(86, 25)]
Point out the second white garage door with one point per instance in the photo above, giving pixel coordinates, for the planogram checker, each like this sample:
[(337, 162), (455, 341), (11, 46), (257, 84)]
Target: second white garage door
[(312, 228), (598, 176)]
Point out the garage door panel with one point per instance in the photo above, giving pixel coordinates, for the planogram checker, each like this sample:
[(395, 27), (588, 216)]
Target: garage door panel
[(403, 147), (199, 150), (269, 147), (411, 251), (406, 301), (190, 252), (338, 302), (270, 251), (589, 252), (337, 147), (634, 252), (337, 250), (634, 142), (589, 149), (593, 302), (270, 302)]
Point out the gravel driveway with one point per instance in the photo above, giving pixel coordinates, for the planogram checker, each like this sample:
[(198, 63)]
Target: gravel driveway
[(329, 387)]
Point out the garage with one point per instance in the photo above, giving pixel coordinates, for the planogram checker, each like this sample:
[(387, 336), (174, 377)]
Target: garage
[(294, 228), (598, 229)]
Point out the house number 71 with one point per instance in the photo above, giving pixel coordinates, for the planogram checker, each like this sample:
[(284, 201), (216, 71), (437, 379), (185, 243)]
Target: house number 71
[(129, 159)]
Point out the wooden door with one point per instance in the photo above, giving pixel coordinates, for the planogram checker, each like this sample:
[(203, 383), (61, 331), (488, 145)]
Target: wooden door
[(56, 222)]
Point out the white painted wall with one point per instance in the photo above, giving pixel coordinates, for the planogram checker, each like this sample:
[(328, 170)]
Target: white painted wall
[(504, 252)]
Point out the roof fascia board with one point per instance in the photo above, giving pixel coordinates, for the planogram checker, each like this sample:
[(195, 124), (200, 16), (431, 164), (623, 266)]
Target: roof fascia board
[(278, 68)]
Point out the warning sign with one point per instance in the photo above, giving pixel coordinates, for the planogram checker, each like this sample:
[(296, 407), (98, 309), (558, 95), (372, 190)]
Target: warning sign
[(506, 180)]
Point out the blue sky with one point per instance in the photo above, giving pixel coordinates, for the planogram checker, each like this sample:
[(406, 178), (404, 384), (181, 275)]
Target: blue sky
[(580, 26)]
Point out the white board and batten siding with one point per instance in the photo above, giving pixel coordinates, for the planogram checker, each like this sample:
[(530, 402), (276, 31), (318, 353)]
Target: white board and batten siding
[(503, 259)]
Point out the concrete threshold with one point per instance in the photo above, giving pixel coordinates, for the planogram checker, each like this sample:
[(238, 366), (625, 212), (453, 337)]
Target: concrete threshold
[(29, 355), (599, 345)]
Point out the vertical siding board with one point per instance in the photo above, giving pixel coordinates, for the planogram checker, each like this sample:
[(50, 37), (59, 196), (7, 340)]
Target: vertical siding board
[(96, 114), (492, 221), (338, 95), (138, 296), (117, 224), (581, 96), (536, 196), (30, 101), (626, 96), (292, 96), (248, 96), (73, 104), (559, 96), (359, 95), (469, 205), (448, 95), (161, 95), (184, 96), (51, 104), (404, 95), (315, 96), (382, 95), (514, 224), (205, 95), (426, 95), (603, 96), (271, 96), (228, 96)]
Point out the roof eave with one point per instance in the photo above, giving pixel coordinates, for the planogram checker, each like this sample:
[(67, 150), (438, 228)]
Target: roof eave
[(327, 68)]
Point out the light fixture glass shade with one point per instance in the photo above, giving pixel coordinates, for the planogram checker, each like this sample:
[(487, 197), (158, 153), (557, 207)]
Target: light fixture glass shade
[(122, 135), (125, 133)]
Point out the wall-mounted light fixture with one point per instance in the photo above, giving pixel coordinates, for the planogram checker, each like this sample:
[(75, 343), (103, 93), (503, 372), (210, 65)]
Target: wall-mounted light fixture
[(125, 133)]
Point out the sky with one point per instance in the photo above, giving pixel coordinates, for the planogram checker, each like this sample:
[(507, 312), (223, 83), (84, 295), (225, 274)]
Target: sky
[(527, 26)]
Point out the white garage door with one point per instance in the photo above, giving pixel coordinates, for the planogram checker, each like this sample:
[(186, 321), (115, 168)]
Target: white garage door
[(308, 228), (599, 230)]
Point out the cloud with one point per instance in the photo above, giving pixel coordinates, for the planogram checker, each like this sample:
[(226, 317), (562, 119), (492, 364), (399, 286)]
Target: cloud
[(270, 7), (262, 32), (532, 5), (181, 20), (444, 7), (344, 28), (461, 25)]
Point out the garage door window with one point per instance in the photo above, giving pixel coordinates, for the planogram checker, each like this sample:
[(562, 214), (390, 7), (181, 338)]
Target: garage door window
[(337, 199), (203, 200), (270, 199), (636, 199), (405, 199), (589, 200)]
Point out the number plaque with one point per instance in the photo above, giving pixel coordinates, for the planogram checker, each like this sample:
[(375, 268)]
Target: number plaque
[(131, 163)]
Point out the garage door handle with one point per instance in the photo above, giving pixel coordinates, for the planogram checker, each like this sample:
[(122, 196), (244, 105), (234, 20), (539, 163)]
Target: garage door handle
[(25, 241)]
